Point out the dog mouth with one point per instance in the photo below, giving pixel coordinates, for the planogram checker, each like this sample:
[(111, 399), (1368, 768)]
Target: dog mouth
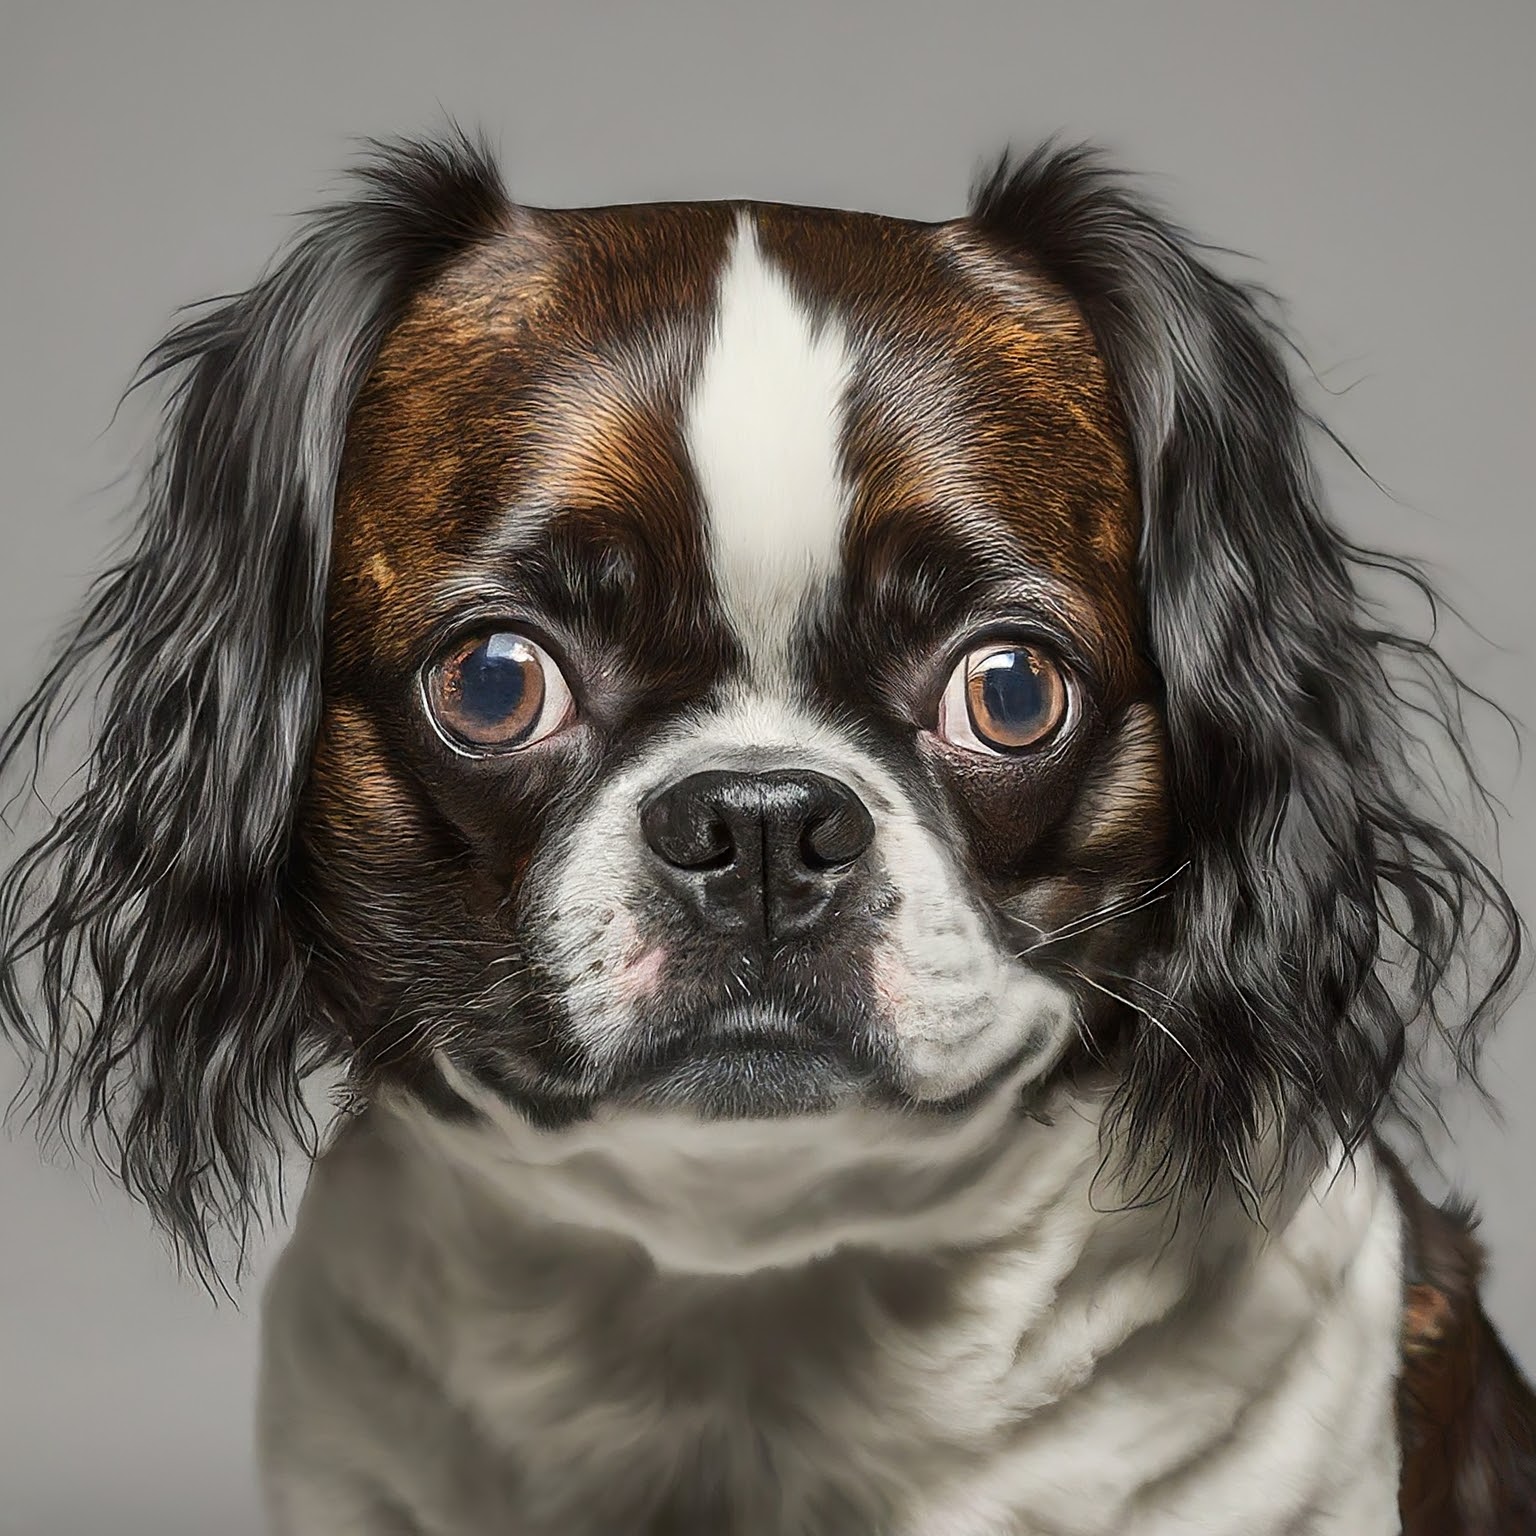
[(747, 1080), (760, 1063)]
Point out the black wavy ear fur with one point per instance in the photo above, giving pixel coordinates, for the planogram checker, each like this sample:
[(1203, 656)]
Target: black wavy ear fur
[(145, 953), (1325, 927)]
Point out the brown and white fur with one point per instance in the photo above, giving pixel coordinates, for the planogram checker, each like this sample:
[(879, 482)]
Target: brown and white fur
[(777, 1105)]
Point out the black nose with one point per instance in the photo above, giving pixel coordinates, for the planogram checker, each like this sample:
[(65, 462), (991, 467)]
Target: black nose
[(758, 852)]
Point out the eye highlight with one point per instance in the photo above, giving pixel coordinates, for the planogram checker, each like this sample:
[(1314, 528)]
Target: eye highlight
[(497, 693), (1003, 698)]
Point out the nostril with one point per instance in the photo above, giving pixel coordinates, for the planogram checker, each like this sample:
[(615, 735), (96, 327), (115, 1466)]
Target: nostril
[(687, 833), (717, 850), (837, 837)]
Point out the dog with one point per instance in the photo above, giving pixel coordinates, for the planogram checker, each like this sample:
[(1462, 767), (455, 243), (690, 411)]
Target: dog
[(828, 782)]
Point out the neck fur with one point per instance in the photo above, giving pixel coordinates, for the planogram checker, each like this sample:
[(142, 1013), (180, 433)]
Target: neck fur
[(972, 1312)]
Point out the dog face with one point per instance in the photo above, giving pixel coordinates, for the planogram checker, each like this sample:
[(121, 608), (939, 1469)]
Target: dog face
[(734, 674), (739, 660)]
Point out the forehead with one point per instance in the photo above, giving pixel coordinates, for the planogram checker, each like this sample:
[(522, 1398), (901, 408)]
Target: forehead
[(761, 396)]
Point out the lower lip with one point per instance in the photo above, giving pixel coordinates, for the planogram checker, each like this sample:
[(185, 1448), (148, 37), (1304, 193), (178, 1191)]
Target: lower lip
[(743, 1079)]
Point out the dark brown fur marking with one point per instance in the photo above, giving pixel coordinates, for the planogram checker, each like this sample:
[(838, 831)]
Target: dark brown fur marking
[(1466, 1418)]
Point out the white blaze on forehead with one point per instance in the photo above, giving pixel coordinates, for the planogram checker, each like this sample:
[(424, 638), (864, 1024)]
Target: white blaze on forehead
[(762, 428)]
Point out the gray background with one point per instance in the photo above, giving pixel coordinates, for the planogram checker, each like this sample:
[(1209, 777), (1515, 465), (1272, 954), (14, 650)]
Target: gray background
[(1375, 157)]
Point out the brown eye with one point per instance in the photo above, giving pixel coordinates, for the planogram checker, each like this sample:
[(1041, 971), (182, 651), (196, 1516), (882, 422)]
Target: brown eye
[(1003, 698), (498, 693)]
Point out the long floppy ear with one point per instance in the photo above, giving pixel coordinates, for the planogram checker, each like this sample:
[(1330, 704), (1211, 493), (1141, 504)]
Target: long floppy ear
[(1318, 933), (145, 952)]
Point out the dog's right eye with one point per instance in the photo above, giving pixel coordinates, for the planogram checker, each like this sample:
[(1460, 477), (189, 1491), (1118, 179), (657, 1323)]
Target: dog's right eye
[(497, 693)]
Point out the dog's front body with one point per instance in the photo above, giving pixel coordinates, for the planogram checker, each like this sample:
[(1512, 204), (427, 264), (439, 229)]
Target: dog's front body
[(441, 1357), (827, 779)]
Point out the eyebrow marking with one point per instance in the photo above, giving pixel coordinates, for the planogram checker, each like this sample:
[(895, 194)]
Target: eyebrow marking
[(763, 428)]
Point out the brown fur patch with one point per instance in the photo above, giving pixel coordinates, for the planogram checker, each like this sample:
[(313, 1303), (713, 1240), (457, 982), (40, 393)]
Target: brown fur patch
[(1466, 1419), (1018, 443)]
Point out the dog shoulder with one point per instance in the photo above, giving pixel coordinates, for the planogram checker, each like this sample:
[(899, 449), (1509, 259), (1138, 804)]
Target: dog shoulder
[(1466, 1415)]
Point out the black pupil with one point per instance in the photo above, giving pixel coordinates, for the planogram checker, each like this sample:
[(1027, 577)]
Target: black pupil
[(493, 679), (1014, 697)]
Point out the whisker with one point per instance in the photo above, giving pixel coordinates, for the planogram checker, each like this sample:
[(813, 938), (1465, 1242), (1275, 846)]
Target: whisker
[(1135, 1007), (1146, 986), (1088, 921)]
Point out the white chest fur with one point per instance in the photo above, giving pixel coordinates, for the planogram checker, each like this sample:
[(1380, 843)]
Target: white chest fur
[(435, 1353), (1258, 1400)]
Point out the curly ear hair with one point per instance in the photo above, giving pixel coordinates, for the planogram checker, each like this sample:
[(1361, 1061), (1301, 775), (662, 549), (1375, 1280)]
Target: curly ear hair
[(145, 952), (1319, 934)]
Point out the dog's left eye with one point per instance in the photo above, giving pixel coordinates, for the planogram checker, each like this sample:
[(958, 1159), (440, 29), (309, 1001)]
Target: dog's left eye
[(1004, 698), (497, 693)]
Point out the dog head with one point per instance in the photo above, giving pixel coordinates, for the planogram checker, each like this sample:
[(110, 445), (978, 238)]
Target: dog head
[(732, 660), (733, 681)]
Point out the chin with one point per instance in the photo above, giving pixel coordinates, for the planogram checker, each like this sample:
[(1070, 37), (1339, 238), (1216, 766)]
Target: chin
[(753, 1070), (825, 785)]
